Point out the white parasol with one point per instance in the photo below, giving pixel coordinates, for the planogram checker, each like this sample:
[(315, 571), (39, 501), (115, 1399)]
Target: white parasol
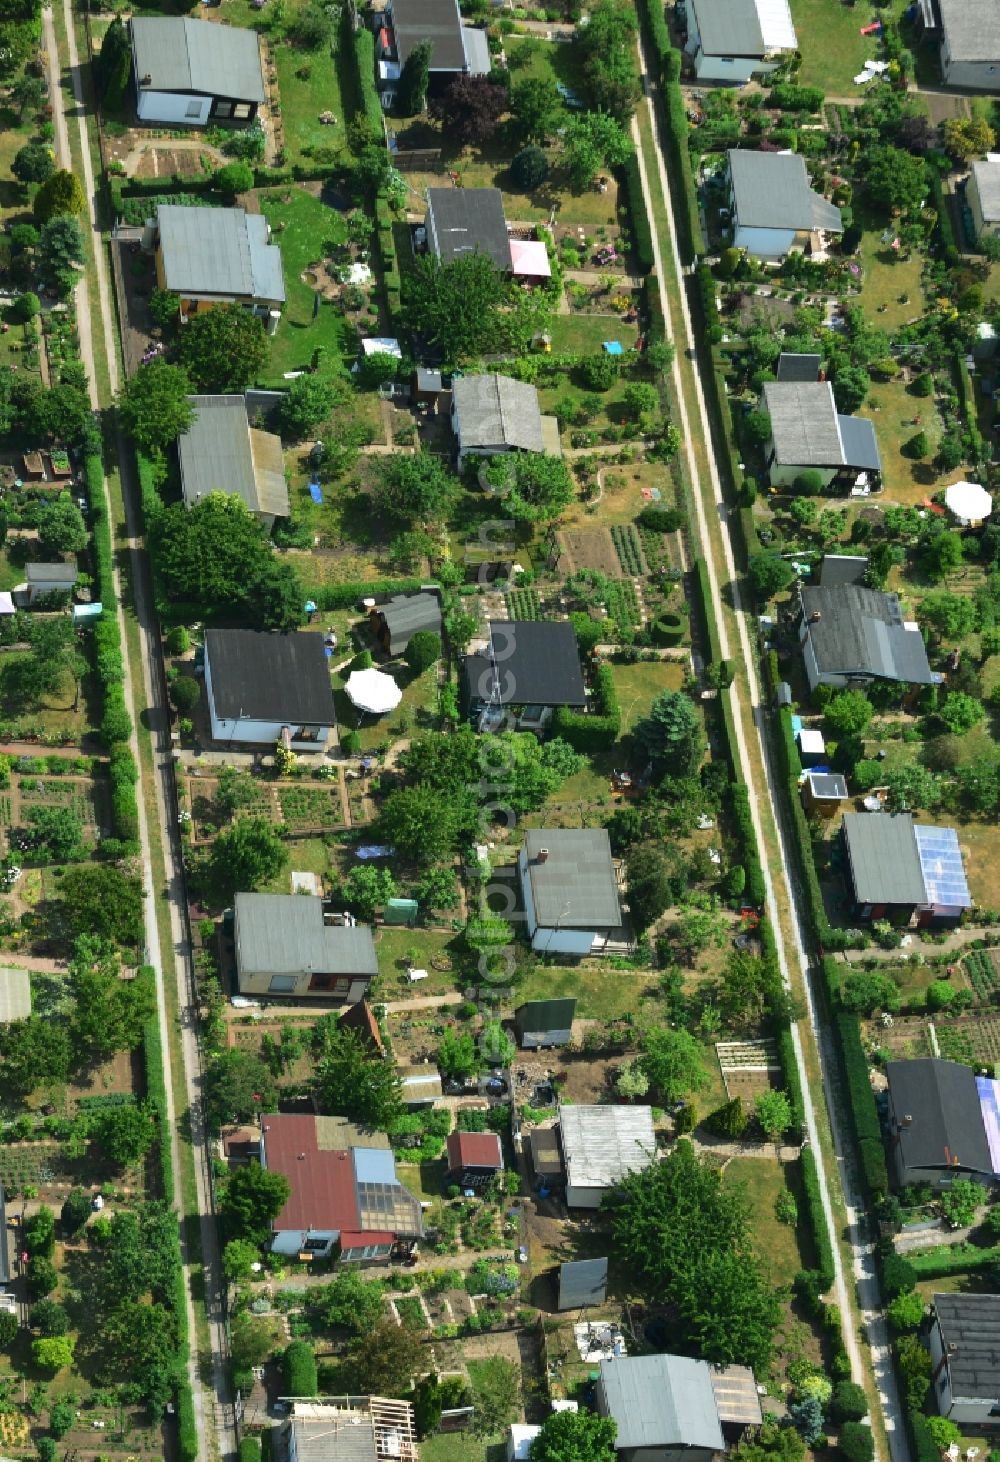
[(969, 502), (373, 691)]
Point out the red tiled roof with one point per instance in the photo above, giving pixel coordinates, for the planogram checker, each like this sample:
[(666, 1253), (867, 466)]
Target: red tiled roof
[(359, 1241), (474, 1150), (322, 1182)]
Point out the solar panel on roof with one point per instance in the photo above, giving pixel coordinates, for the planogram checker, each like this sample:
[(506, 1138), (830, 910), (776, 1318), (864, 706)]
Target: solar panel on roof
[(942, 867)]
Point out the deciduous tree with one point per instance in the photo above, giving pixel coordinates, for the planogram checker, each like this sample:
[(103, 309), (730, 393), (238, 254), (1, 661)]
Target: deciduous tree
[(224, 349), (59, 194), (673, 1061), (153, 405), (470, 109), (253, 1198), (352, 1083)]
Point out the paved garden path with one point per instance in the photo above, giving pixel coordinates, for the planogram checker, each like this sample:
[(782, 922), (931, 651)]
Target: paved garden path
[(425, 1002)]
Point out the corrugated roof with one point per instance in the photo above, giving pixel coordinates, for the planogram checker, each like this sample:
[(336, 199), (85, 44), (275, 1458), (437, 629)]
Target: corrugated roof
[(987, 176), (15, 994), (546, 1152), (583, 1282), (474, 1150), (736, 1396), (854, 630), (278, 933), (970, 1333), (602, 1144), (882, 852), (938, 1115), (971, 28), (533, 662), (860, 443), (420, 1083), (942, 865), (262, 675), (181, 54), (804, 423), (219, 251), (661, 1401), (497, 411), (437, 21), (576, 886), (220, 452), (772, 190), (54, 573), (462, 220), (728, 27)]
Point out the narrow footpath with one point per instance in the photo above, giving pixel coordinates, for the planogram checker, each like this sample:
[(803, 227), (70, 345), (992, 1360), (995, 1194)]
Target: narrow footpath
[(213, 1413), (709, 497)]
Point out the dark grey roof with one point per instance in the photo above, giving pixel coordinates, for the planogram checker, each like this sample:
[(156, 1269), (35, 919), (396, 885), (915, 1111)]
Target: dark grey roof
[(661, 1401), (437, 21), (883, 857), (536, 662), (539, 1016), (804, 423), (51, 573), (428, 380), (842, 568), (861, 631), (284, 933), (971, 28), (406, 614), (497, 411), (583, 1282), (772, 190), (729, 27), (970, 1336), (219, 251), (827, 785), (221, 452), (987, 176), (860, 443), (266, 676), (946, 1126), (793, 366), (576, 886), (462, 220), (180, 54)]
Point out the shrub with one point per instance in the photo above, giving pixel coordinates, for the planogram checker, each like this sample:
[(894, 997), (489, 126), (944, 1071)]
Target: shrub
[(848, 1402), (178, 640), (856, 1442), (898, 1275), (939, 995), (185, 692), (300, 1370)]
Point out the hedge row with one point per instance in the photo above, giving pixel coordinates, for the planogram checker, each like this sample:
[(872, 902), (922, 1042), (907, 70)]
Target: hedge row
[(739, 804), (362, 50), (706, 609), (861, 1101), (949, 1259), (949, 243), (642, 237), (817, 1218), (789, 1067), (250, 1449), (598, 731), (674, 125), (300, 1370)]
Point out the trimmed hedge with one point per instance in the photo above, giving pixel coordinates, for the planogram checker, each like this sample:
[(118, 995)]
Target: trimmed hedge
[(345, 596), (789, 1066), (739, 802), (642, 237), (706, 609), (187, 1430), (861, 1100), (817, 1218), (674, 127), (361, 50), (300, 1370), (947, 1259), (250, 1449), (598, 731)]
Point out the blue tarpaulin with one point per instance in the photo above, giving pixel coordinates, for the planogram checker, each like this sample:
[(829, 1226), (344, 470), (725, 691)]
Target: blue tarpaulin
[(315, 492)]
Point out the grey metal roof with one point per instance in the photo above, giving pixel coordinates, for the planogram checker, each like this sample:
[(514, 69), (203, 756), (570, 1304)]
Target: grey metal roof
[(970, 1335), (531, 662), (661, 1401), (351, 1439), (437, 21), (987, 176), (284, 933), (185, 55), (497, 411), (936, 1109), (798, 366), (476, 45), (262, 675), (406, 614), (772, 190), (827, 786), (804, 423), (219, 251), (15, 994), (575, 887), (583, 1282), (220, 452), (462, 220), (601, 1145), (842, 568), (854, 630), (860, 443), (971, 28), (51, 573), (729, 27), (884, 863)]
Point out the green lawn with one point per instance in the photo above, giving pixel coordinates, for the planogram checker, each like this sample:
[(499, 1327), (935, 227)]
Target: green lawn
[(639, 685), (310, 85), (415, 712), (886, 279), (762, 1180), (397, 948), (601, 993), (302, 226), (585, 334), (461, 1447), (833, 48), (892, 410)]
